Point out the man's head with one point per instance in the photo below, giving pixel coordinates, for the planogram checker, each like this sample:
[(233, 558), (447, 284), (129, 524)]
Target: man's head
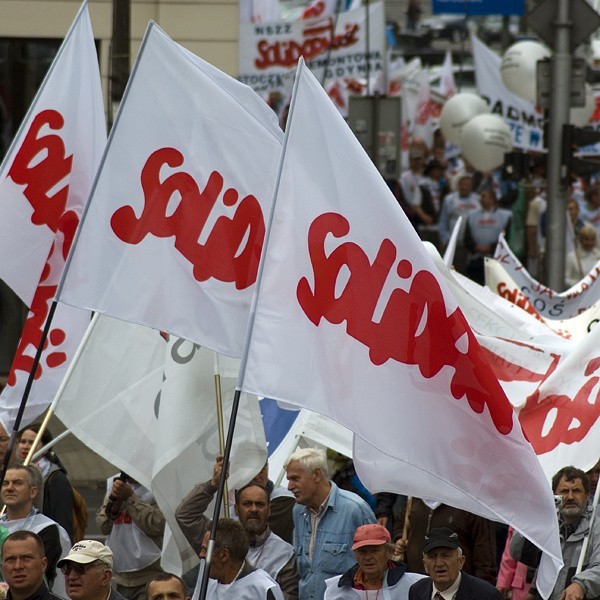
[(592, 196), (373, 549), (166, 586), (573, 485), (23, 563), (487, 198), (573, 210), (230, 549), (88, 570), (252, 507), (19, 490), (594, 476), (4, 439), (464, 184), (442, 557), (308, 477)]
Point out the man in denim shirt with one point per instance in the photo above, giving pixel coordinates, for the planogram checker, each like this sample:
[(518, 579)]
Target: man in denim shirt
[(325, 519)]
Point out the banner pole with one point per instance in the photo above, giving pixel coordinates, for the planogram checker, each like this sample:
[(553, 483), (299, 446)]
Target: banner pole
[(221, 427)]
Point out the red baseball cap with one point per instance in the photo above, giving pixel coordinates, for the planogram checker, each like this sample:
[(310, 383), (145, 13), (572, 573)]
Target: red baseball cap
[(371, 535)]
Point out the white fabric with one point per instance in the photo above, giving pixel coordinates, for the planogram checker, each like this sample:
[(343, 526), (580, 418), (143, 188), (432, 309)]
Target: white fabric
[(551, 381), (447, 84), (45, 180), (272, 555), (550, 304), (370, 346), (188, 193), (148, 406)]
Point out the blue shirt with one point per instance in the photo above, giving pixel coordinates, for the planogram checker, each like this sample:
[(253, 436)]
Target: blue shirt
[(345, 511)]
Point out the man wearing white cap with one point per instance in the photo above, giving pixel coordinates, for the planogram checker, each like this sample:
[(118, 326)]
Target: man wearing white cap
[(374, 569), (88, 572)]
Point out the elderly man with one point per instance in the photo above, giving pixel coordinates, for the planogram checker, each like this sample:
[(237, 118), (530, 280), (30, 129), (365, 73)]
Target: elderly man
[(166, 586), (574, 516), (374, 569), (443, 560), (231, 572), (19, 491), (23, 566), (88, 572), (325, 519), (252, 506)]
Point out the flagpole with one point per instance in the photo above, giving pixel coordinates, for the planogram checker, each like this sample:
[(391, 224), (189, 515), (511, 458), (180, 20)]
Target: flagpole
[(221, 428), (244, 360), (59, 392)]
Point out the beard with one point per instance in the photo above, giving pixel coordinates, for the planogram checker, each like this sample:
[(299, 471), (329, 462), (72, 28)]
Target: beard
[(572, 511), (254, 526)]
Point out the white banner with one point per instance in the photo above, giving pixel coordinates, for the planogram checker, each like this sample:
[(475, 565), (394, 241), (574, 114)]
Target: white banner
[(45, 180), (548, 303), (176, 220), (269, 52), (350, 301), (525, 122), (147, 405)]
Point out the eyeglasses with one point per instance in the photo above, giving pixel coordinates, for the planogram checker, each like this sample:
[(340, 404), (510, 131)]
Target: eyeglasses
[(78, 568)]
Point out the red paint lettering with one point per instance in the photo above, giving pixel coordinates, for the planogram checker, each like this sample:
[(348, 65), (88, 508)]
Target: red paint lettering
[(414, 327), (232, 250), (40, 165)]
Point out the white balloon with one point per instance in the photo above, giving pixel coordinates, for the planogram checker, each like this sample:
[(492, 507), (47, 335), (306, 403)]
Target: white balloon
[(457, 111), (581, 116), (518, 68), (485, 140)]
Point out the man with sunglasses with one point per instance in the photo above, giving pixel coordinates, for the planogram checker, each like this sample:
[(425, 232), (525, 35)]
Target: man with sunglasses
[(88, 572)]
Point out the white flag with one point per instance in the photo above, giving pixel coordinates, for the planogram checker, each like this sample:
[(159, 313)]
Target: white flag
[(447, 84), (349, 301), (147, 405), (175, 224), (45, 180)]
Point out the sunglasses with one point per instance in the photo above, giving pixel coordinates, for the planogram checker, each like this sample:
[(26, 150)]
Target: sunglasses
[(77, 568)]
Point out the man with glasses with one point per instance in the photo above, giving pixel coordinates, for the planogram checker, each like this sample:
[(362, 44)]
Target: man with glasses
[(88, 572), (24, 563)]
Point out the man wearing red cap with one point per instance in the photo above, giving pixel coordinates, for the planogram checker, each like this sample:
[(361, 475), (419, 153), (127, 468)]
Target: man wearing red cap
[(444, 560), (374, 570)]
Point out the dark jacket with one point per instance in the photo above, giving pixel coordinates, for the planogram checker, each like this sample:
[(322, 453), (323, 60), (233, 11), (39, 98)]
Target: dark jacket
[(470, 588), (476, 536), (42, 593)]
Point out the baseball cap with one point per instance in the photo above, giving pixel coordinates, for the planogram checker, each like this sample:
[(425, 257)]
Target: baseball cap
[(87, 551), (440, 537), (370, 535)]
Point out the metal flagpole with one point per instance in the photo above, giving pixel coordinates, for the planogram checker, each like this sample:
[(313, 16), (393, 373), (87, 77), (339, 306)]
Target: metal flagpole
[(220, 425)]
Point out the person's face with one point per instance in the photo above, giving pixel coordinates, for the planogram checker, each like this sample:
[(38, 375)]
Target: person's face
[(26, 442), (465, 186), (303, 485), (166, 590), (587, 240), (443, 566), (23, 566), (574, 498), (4, 439), (373, 560), (262, 477), (16, 491), (84, 581), (594, 199), (253, 509), (486, 200), (573, 209)]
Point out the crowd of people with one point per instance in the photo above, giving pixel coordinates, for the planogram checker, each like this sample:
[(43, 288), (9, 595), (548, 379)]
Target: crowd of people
[(337, 546), (435, 191)]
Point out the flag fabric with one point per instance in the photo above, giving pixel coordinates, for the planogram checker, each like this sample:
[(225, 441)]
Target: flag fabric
[(551, 381), (45, 180), (319, 8), (147, 405), (447, 86), (350, 302), (175, 222), (550, 304)]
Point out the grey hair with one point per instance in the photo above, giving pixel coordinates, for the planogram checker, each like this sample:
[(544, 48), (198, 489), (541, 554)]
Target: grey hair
[(310, 460)]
